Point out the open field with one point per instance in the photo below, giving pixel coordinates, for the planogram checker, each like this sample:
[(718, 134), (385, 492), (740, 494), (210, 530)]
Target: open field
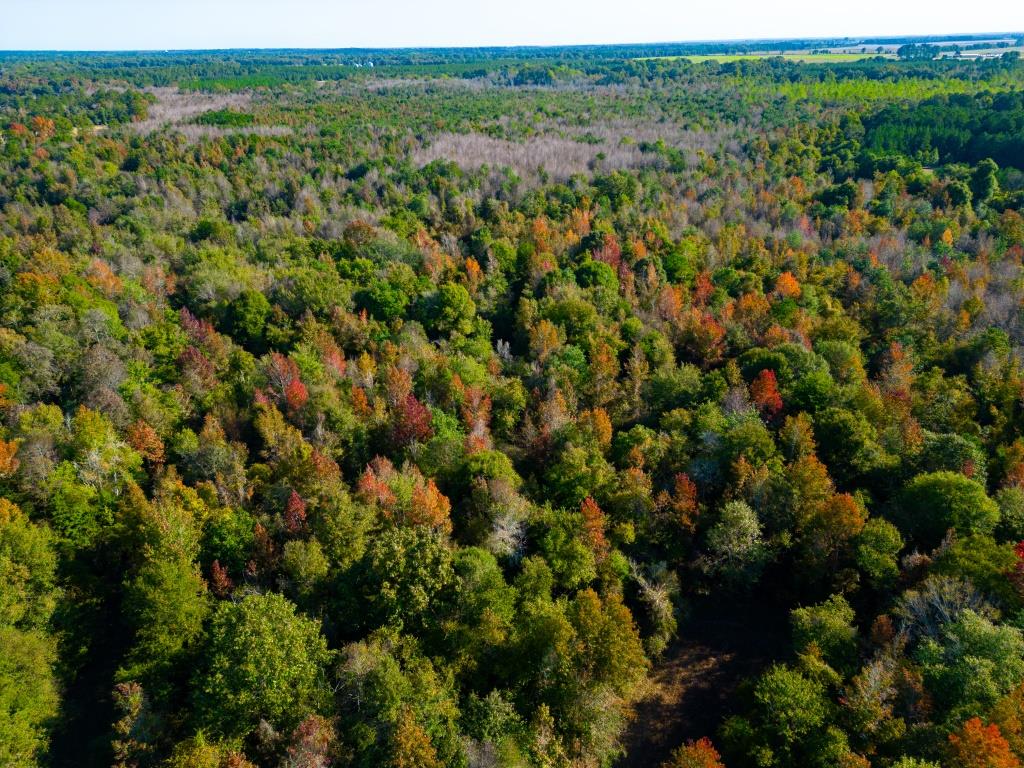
[(967, 54)]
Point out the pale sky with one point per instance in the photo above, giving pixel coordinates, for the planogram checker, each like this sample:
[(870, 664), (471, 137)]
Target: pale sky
[(155, 24)]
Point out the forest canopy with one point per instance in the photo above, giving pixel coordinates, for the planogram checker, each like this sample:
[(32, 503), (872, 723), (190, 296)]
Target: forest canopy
[(455, 408)]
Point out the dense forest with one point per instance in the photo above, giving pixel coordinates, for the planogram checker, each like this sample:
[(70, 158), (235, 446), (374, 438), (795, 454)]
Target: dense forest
[(448, 408)]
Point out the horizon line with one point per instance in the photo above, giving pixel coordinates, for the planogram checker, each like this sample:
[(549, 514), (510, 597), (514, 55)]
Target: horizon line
[(854, 39)]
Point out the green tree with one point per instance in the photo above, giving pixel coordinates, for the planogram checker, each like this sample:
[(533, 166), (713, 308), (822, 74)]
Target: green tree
[(848, 442), (984, 182), (972, 664), (248, 315), (789, 713), (988, 565), (736, 550), (386, 685), (829, 628), (28, 565), (28, 696), (876, 549), (384, 300), (1011, 514), (28, 688), (262, 661), (933, 503), (959, 194), (450, 310), (406, 572)]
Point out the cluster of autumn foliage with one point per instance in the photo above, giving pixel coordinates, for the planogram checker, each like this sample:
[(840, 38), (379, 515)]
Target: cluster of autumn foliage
[(314, 456)]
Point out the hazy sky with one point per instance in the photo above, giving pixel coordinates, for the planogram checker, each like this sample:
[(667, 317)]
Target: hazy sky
[(151, 24)]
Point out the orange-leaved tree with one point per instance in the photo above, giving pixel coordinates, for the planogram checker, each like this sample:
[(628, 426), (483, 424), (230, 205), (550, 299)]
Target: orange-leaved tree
[(977, 745)]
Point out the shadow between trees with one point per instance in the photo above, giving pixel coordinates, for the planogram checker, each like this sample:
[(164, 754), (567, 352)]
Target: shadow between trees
[(693, 684)]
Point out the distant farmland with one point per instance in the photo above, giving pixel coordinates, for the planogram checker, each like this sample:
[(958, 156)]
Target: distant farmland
[(816, 58)]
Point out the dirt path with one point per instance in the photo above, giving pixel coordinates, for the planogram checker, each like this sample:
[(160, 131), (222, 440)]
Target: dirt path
[(692, 686)]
